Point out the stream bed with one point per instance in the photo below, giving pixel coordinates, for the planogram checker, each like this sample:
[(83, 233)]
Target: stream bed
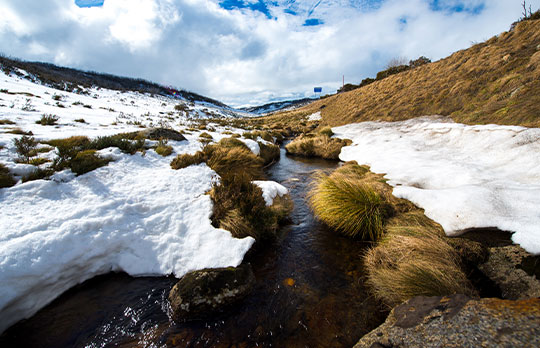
[(309, 293)]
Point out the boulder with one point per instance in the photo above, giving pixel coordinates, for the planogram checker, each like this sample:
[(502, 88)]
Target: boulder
[(201, 293), (458, 321), (514, 271), (162, 133)]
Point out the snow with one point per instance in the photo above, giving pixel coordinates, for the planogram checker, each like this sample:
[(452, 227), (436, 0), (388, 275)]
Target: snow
[(315, 117), (463, 176), (135, 215), (252, 144), (271, 189)]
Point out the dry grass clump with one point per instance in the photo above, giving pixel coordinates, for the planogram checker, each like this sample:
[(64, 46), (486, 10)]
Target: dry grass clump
[(269, 153), (240, 208), (205, 135), (254, 135), (162, 148), (319, 146), (86, 161), (326, 131), (413, 263), (5, 121), (47, 120), (185, 160), (347, 202), (38, 174), (6, 178), (228, 161), (19, 131)]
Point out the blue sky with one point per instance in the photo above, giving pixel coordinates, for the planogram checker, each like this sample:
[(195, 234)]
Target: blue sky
[(246, 51)]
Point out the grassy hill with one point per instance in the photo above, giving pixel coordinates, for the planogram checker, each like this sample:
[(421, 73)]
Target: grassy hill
[(497, 81)]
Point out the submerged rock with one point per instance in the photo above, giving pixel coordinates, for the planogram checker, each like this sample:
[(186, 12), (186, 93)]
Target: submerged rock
[(162, 133), (207, 291), (514, 270), (458, 321)]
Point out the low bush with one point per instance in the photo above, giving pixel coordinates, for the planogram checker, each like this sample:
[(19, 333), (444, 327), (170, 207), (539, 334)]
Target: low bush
[(6, 178), (240, 208), (86, 161), (38, 174), (185, 160), (25, 147), (320, 146), (47, 120)]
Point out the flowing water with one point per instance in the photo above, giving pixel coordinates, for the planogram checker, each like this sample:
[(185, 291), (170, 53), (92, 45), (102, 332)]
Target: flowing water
[(309, 293)]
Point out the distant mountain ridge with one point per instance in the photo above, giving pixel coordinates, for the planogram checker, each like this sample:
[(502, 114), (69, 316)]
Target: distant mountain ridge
[(69, 79), (277, 106)]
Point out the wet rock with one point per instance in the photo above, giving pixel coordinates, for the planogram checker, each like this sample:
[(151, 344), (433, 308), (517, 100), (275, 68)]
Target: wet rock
[(507, 267), (458, 321), (162, 133), (207, 291)]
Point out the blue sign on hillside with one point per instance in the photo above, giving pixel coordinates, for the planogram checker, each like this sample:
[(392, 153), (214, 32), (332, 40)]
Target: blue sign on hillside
[(317, 89), (89, 3)]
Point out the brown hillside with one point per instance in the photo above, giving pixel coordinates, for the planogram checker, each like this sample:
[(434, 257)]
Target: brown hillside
[(497, 81)]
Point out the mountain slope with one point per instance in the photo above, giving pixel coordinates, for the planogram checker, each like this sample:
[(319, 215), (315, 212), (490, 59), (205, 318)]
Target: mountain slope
[(497, 81)]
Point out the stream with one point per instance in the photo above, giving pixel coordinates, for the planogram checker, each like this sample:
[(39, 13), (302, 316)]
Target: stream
[(309, 293)]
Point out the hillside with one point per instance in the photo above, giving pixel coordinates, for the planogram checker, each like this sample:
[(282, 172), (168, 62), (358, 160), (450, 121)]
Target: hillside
[(497, 81)]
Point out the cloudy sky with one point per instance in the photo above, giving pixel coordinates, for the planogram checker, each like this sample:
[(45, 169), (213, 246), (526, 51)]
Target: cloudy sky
[(246, 51)]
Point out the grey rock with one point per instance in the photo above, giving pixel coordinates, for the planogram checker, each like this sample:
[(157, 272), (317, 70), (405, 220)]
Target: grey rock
[(458, 321), (505, 268), (201, 293), (162, 133)]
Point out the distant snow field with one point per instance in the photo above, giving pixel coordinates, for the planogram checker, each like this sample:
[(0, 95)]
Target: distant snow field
[(463, 176), (136, 214)]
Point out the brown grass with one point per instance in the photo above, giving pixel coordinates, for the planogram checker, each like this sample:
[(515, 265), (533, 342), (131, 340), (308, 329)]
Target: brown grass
[(229, 161), (497, 81), (185, 160), (319, 146)]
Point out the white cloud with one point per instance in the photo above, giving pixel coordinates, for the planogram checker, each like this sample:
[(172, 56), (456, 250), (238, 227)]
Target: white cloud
[(242, 56)]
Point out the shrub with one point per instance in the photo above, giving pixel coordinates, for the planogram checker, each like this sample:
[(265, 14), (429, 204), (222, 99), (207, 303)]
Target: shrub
[(38, 174), (6, 178), (115, 141), (320, 146), (185, 160), (391, 71), (344, 202), (240, 208), (6, 121), (25, 147), (419, 62), (327, 131), (85, 161), (47, 120), (225, 161)]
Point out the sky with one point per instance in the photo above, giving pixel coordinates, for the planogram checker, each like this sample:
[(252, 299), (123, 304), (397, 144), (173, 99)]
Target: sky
[(247, 52)]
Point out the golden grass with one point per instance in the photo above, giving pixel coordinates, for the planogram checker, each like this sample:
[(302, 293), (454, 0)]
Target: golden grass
[(185, 160), (497, 81), (269, 153), (228, 161), (205, 135), (319, 146), (164, 150), (86, 161)]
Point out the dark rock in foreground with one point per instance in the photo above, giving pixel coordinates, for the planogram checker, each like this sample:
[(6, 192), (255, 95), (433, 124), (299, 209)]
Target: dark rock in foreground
[(207, 291), (162, 133), (458, 321)]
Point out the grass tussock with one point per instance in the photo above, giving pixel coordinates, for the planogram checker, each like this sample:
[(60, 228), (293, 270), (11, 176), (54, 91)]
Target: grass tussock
[(319, 146), (19, 131), (5, 121), (6, 178), (240, 208), (185, 160), (86, 161), (269, 153), (162, 148), (47, 120), (205, 135), (327, 131), (346, 202), (38, 174), (254, 135), (235, 160)]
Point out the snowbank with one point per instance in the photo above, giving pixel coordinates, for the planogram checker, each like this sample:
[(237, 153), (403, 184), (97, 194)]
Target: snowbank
[(271, 189), (463, 176), (315, 117), (135, 215)]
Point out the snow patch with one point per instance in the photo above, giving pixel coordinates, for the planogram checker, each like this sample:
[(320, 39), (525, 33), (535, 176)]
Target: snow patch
[(315, 117), (463, 176), (271, 189), (252, 144)]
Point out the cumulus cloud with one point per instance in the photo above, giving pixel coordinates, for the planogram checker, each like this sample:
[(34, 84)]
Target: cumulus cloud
[(246, 54)]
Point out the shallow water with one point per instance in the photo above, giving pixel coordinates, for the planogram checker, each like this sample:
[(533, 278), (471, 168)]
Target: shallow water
[(309, 293)]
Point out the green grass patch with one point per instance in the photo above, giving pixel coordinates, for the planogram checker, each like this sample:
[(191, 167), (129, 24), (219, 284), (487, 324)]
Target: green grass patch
[(254, 135), (86, 161)]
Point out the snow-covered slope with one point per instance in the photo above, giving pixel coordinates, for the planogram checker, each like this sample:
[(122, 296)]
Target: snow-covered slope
[(135, 215), (463, 176)]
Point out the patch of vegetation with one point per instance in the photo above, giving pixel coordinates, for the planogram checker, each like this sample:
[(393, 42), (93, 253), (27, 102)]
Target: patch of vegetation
[(346, 202), (185, 160), (240, 208), (269, 153), (77, 103), (6, 121), (125, 145), (163, 149), (38, 161), (47, 120), (227, 162), (319, 146), (19, 131), (6, 178), (254, 135), (327, 131), (57, 97), (87, 106), (79, 120), (86, 161), (38, 174), (25, 147), (205, 135)]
